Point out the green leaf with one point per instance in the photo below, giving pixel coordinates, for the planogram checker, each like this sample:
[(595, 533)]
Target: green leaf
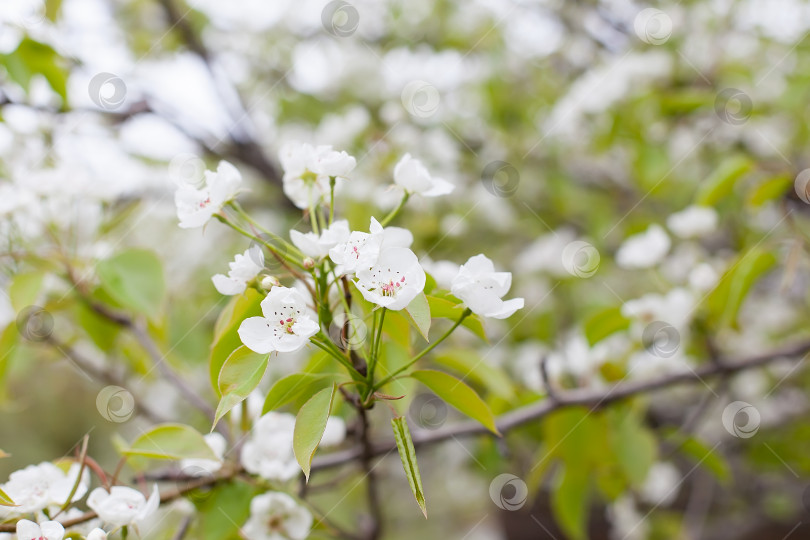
[(240, 375), (419, 312), (605, 323), (569, 501), (407, 453), (309, 426), (712, 461), (292, 387), (24, 289), (633, 444), (52, 8), (721, 182), (725, 301), (33, 57), (458, 394), (171, 441), (472, 366), (226, 337), (769, 190), (441, 308), (221, 513), (134, 278), (5, 500)]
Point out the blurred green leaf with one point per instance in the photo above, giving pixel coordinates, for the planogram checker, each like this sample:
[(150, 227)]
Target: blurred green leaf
[(5, 500), (708, 458), (240, 375), (725, 300), (721, 182), (31, 58), (407, 453), (310, 424), (221, 513), (633, 444), (472, 366), (769, 190), (171, 441), (569, 501), (24, 289), (604, 323), (134, 278), (458, 394)]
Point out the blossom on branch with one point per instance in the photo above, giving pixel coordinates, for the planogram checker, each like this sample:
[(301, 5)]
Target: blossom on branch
[(481, 288), (277, 516), (269, 450), (308, 169), (122, 506), (414, 177), (394, 280), (245, 266), (196, 206), (286, 324)]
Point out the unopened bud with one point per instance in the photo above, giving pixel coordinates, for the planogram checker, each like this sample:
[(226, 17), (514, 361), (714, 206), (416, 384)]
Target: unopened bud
[(309, 263), (269, 282)]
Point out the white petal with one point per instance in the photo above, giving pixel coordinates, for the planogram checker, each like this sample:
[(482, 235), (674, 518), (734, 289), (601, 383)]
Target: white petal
[(52, 530), (440, 187), (28, 530), (228, 286), (256, 334), (507, 308)]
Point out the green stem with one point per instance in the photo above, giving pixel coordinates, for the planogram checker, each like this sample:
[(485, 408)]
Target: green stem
[(387, 219), (287, 245), (375, 348), (324, 345), (426, 350)]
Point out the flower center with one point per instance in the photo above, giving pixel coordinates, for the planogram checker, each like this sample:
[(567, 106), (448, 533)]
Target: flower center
[(205, 203), (391, 288), (287, 324)]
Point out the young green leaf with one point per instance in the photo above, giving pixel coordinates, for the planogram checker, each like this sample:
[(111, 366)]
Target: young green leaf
[(134, 278), (569, 502), (226, 338), (407, 453), (605, 323), (419, 313), (725, 300), (292, 387), (171, 441), (5, 500), (240, 375), (310, 424), (458, 394)]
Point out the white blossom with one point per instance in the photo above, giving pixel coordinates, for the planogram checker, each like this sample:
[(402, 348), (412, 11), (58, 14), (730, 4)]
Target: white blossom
[(361, 250), (675, 307), (123, 505), (204, 467), (277, 516), (286, 324), (37, 487), (317, 246), (414, 177), (644, 250), (47, 530), (269, 450), (307, 171), (693, 221), (97, 534), (661, 485), (481, 288), (703, 277), (394, 280), (196, 206), (245, 266)]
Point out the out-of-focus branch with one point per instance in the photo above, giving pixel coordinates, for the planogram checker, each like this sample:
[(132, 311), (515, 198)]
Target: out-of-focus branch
[(595, 399), (101, 375), (372, 488)]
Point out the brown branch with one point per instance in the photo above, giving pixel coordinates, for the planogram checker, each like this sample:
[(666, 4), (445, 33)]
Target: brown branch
[(595, 399), (372, 487)]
